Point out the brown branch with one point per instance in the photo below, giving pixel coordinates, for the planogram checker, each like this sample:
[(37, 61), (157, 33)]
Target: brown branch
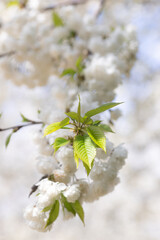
[(18, 127), (7, 54), (64, 3), (101, 5)]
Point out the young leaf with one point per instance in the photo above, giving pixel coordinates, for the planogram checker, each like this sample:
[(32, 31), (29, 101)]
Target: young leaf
[(85, 149), (79, 64), (105, 128), (0, 115), (53, 213), (59, 142), (58, 22), (52, 128), (46, 209), (97, 136), (13, 3), (76, 159), (24, 119), (55, 126), (79, 210), (87, 120), (96, 123), (79, 110), (8, 140), (69, 71), (72, 115), (88, 170), (100, 109), (67, 205), (65, 128)]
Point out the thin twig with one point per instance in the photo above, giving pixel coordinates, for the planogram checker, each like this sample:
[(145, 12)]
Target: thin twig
[(101, 5), (64, 3), (16, 128), (7, 54)]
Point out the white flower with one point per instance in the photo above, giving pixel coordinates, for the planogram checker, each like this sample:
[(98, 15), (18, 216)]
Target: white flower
[(43, 147), (99, 188), (35, 218), (45, 200), (101, 154), (48, 192), (72, 193), (66, 157), (118, 156), (60, 33), (99, 169), (45, 164), (130, 32), (120, 152), (103, 69), (61, 176)]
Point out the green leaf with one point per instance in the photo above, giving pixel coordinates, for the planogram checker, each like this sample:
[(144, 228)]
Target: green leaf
[(58, 22), (67, 205), (87, 120), (24, 119), (106, 128), (72, 115), (79, 210), (75, 116), (96, 123), (79, 64), (8, 140), (53, 213), (48, 208), (84, 149), (65, 128), (79, 110), (101, 109), (76, 159), (88, 170), (97, 136), (59, 142), (13, 3), (69, 71), (55, 126), (0, 115)]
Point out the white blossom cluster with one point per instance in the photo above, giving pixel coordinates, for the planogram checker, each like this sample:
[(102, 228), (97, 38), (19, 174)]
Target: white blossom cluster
[(101, 181), (38, 44), (41, 51)]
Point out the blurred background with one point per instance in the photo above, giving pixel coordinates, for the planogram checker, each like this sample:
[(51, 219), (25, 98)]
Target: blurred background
[(132, 210)]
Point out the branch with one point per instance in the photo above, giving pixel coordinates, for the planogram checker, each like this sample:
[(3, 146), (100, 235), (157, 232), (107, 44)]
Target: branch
[(64, 3), (18, 127), (101, 5), (7, 54)]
